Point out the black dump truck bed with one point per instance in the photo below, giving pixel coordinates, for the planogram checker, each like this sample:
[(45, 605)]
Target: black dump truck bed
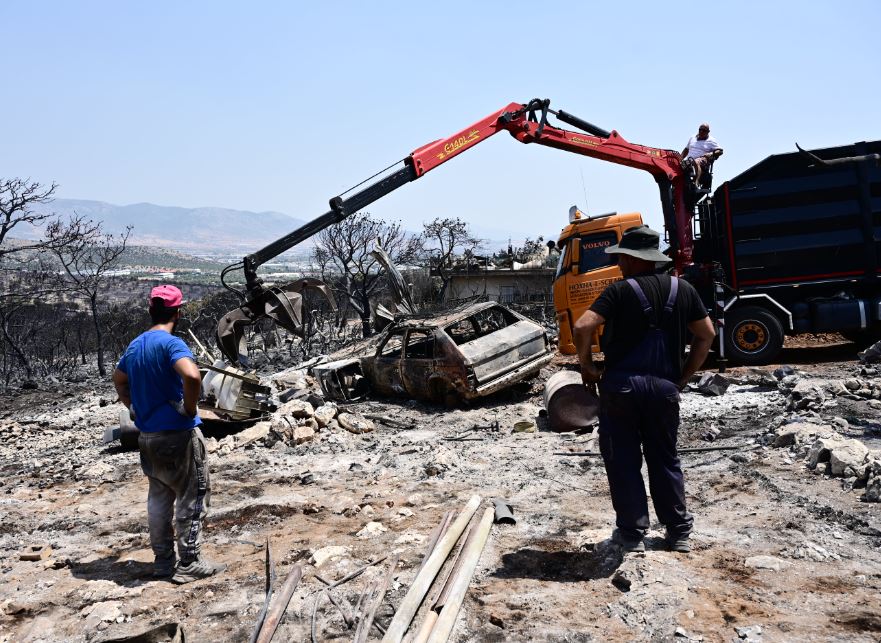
[(789, 220)]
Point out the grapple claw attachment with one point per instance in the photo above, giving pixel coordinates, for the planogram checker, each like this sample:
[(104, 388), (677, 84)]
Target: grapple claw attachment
[(282, 304)]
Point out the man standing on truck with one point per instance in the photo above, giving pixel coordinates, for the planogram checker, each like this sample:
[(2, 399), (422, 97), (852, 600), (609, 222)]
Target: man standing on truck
[(645, 317), (158, 381), (701, 150)]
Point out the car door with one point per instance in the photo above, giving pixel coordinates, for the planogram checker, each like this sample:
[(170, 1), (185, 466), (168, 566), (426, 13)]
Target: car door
[(419, 362), (387, 364)]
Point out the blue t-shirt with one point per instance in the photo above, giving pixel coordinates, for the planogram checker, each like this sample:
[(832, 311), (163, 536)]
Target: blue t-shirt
[(153, 383)]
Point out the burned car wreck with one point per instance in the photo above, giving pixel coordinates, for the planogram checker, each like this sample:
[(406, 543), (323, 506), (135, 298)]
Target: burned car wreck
[(460, 355)]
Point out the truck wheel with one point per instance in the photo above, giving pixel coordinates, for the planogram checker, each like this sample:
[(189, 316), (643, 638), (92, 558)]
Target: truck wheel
[(753, 337)]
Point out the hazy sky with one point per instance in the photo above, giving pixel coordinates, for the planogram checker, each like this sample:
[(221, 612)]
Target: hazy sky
[(282, 105)]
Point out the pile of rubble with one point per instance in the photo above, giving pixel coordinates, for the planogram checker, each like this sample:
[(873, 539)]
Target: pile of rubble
[(302, 418), (820, 444)]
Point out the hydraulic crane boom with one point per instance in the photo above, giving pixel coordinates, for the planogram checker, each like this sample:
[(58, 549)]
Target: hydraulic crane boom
[(526, 123)]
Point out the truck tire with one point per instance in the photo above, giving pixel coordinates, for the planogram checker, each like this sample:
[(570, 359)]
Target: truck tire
[(753, 336)]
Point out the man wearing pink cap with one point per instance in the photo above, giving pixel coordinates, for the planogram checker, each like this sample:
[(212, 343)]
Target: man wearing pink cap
[(158, 381)]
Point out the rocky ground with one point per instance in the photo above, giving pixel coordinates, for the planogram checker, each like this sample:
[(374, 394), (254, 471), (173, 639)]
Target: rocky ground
[(785, 544)]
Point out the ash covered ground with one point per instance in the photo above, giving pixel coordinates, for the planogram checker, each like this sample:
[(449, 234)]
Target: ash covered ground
[(785, 543)]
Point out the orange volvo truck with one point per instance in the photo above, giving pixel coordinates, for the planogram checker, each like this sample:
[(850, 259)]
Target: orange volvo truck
[(584, 269)]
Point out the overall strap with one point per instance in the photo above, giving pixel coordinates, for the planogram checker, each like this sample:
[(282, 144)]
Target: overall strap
[(643, 300), (647, 306), (671, 298)]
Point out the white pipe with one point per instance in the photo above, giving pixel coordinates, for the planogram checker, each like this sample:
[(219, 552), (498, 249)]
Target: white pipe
[(421, 584), (447, 619)]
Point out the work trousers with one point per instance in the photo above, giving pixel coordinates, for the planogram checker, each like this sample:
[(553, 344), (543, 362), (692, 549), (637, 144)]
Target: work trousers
[(176, 468), (644, 413)]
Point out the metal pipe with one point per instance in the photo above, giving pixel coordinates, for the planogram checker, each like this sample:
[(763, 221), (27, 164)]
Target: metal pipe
[(426, 627), (729, 447), (437, 590), (273, 618), (372, 606), (436, 535), (270, 581), (470, 556), (404, 616)]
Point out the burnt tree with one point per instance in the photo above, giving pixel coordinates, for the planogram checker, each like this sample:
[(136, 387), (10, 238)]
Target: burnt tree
[(343, 255), (86, 258), (446, 236), (27, 275)]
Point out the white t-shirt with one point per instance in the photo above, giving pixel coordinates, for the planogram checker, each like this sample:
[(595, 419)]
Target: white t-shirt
[(697, 148)]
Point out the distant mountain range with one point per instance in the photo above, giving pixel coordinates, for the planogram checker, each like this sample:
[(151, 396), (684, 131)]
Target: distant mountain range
[(187, 229), (203, 230)]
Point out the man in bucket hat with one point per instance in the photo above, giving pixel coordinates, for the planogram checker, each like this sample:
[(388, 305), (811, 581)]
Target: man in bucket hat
[(645, 317), (158, 381)]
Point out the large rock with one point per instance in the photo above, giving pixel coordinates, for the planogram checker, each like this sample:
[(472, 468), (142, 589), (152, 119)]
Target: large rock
[(837, 387), (821, 449), (758, 377), (799, 433), (252, 434), (766, 562), (847, 458), (354, 423), (297, 409), (713, 384), (325, 413), (806, 393), (303, 433), (320, 556), (873, 489), (107, 611), (871, 354), (873, 486), (283, 427), (98, 470), (370, 530), (783, 371), (225, 445), (872, 467)]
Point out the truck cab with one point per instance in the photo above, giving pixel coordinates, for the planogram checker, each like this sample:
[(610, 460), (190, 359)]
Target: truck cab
[(584, 269)]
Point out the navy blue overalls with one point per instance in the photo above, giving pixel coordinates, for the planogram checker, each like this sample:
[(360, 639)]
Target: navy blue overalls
[(639, 406)]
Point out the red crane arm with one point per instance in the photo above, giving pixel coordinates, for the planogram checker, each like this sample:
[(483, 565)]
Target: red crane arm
[(528, 124), (524, 125)]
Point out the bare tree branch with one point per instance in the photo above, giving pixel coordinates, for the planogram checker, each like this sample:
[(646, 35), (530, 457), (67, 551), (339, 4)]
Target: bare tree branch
[(444, 236), (86, 254), (343, 255)]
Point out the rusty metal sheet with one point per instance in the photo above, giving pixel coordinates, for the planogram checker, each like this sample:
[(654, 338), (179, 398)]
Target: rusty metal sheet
[(403, 301)]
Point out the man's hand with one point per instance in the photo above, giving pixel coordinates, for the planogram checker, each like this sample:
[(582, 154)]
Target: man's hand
[(192, 381), (120, 383), (590, 374), (703, 333), (181, 409), (583, 332)]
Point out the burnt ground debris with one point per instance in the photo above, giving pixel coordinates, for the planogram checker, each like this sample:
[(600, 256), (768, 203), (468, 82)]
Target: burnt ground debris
[(781, 551)]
